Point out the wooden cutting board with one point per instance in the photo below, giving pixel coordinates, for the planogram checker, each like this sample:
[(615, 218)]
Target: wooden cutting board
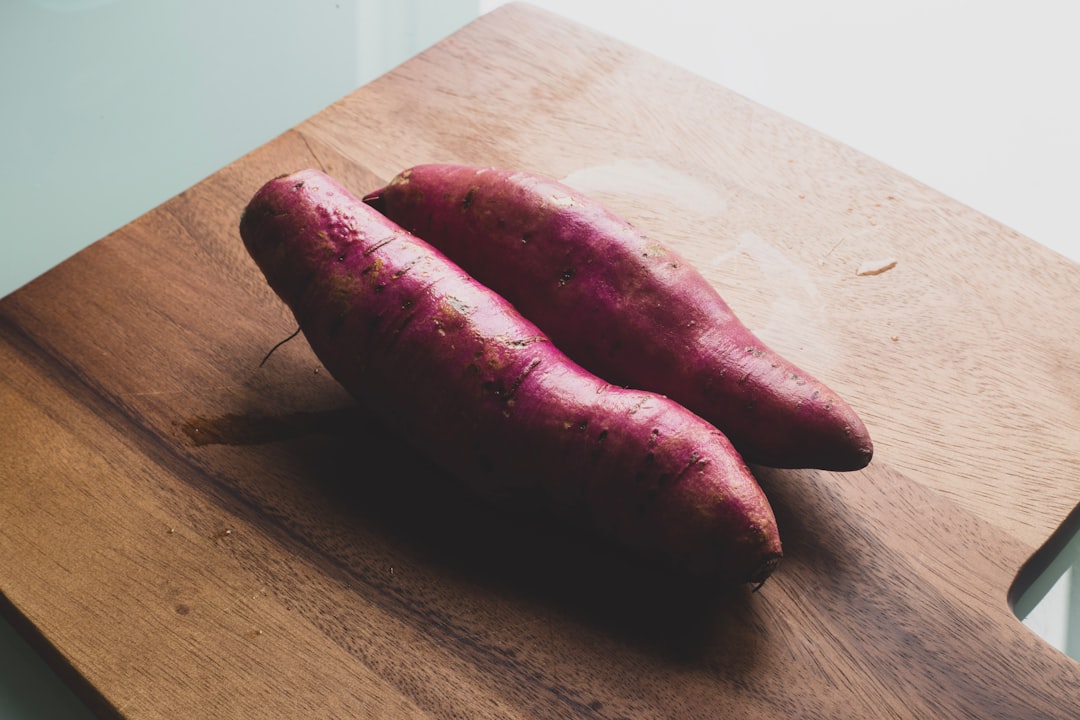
[(187, 533)]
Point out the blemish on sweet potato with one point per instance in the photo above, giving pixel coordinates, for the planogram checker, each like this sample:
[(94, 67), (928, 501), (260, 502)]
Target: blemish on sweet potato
[(467, 201)]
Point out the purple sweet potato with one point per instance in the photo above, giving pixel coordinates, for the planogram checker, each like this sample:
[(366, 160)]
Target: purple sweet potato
[(625, 307), (454, 368)]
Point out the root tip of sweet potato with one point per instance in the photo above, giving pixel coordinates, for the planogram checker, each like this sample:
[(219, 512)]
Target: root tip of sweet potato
[(764, 569), (858, 457), (866, 454), (375, 199)]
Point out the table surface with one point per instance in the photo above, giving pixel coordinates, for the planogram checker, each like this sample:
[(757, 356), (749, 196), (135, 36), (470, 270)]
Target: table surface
[(190, 534)]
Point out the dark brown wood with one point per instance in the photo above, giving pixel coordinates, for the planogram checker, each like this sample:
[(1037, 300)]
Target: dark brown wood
[(198, 536)]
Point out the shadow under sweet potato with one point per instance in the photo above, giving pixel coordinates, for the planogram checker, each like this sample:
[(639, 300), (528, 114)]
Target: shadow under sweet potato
[(378, 483)]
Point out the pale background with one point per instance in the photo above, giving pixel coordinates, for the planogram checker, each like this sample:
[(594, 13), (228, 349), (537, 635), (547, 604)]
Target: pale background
[(109, 107)]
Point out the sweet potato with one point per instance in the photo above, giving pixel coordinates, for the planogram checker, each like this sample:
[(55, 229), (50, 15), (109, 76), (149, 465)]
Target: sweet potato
[(455, 369), (625, 307)]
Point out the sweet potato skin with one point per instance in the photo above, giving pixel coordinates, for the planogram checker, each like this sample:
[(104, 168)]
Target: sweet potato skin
[(626, 307), (457, 370)]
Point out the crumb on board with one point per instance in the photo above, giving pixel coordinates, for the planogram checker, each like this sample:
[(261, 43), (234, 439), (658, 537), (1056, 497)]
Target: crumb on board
[(876, 267)]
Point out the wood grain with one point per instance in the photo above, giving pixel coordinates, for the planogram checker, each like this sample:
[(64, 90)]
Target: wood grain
[(191, 534)]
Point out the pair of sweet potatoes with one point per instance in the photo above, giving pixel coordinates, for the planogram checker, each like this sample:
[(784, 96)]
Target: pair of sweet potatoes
[(444, 353)]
